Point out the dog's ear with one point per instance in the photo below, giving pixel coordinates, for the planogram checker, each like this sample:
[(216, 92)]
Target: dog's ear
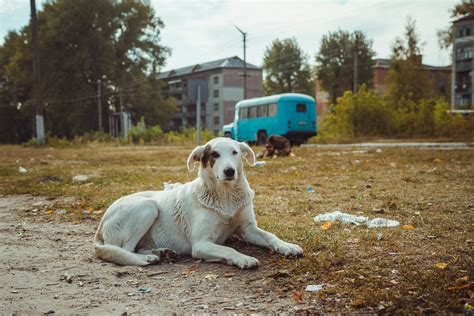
[(195, 155), (248, 153), (200, 153)]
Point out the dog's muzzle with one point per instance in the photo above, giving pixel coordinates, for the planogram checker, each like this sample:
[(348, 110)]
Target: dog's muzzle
[(229, 174)]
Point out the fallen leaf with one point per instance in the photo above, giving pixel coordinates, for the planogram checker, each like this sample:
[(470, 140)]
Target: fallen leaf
[(408, 227), (50, 212), (189, 271), (357, 303), (326, 226), (459, 287), (297, 297), (441, 265), (211, 277), (229, 274), (280, 274), (462, 280), (437, 160)]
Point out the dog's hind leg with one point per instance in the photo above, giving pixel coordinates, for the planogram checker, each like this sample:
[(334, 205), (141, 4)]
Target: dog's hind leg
[(123, 230)]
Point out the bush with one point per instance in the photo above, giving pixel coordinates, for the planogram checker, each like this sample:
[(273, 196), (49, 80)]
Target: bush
[(365, 114), (141, 134)]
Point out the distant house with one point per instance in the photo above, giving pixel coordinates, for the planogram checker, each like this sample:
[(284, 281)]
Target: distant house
[(462, 89), (221, 84), (439, 77)]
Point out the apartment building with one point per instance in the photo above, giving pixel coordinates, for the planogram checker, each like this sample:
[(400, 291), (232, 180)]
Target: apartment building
[(462, 93), (439, 77), (221, 85)]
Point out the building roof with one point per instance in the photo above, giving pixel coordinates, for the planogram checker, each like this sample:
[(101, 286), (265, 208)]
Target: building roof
[(230, 62), (465, 18), (385, 63), (298, 97)]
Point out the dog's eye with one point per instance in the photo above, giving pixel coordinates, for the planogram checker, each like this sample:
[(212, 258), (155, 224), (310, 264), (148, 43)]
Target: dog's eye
[(215, 154), (234, 152)]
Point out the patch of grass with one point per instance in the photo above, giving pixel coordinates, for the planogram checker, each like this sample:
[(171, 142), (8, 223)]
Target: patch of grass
[(432, 190)]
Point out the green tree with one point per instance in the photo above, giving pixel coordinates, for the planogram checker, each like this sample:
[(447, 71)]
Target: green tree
[(462, 9), (336, 58), (286, 68), (406, 80), (83, 44)]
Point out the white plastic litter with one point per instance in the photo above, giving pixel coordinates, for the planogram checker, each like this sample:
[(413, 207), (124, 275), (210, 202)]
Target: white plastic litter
[(338, 216), (80, 178), (382, 222), (169, 186), (314, 287), (345, 218), (22, 170), (259, 163)]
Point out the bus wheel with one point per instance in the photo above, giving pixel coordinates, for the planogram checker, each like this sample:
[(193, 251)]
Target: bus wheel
[(261, 138), (227, 134)]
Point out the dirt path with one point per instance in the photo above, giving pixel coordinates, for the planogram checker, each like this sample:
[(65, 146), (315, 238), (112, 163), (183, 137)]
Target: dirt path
[(49, 267)]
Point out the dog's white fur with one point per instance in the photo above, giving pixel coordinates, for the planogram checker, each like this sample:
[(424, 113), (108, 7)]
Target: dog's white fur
[(194, 218)]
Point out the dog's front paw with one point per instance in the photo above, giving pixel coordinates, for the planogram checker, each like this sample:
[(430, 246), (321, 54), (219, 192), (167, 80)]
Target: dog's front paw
[(246, 262), (288, 249)]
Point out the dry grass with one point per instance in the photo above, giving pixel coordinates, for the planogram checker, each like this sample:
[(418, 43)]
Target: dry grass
[(432, 190)]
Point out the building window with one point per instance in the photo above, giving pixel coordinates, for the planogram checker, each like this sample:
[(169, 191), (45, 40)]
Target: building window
[(216, 79), (468, 31), (216, 107), (216, 120), (216, 93)]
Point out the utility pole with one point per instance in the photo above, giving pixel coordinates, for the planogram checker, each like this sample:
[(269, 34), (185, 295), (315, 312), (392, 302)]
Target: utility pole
[(356, 53), (198, 115), (39, 119), (244, 35), (99, 105)]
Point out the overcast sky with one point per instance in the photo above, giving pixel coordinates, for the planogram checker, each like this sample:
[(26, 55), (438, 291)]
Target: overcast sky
[(202, 30)]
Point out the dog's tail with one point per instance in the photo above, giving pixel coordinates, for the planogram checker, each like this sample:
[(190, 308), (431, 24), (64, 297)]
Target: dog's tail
[(116, 254)]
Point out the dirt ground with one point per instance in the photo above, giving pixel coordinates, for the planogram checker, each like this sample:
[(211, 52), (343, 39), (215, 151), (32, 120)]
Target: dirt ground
[(47, 223), (50, 268)]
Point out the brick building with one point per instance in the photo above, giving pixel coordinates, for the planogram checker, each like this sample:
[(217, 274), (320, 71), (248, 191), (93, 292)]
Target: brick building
[(221, 83), (439, 77), (462, 89)]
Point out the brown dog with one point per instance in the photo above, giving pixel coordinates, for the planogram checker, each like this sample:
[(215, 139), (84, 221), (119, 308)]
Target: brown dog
[(276, 145)]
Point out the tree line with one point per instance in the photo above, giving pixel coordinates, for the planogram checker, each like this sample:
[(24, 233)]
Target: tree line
[(85, 47)]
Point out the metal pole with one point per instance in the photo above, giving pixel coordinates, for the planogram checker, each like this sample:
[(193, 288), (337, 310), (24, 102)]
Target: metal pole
[(99, 105), (244, 34), (356, 53), (198, 115), (39, 119)]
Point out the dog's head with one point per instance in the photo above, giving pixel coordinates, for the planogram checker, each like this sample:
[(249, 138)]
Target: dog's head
[(222, 158)]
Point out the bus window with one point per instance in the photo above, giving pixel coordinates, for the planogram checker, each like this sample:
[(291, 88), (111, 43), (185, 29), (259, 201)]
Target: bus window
[(262, 110), (253, 112), (272, 109), (301, 108), (244, 113)]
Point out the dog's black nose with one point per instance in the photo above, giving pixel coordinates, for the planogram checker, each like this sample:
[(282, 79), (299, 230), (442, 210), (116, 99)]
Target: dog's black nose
[(229, 172)]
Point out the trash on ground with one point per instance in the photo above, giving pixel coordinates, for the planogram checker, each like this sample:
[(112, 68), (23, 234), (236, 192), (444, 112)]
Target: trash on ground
[(260, 164), (314, 287), (211, 277), (408, 227), (378, 150), (61, 212), (309, 190), (170, 186), (379, 237), (382, 222), (341, 217), (22, 170), (144, 290), (441, 265), (80, 178), (345, 218)]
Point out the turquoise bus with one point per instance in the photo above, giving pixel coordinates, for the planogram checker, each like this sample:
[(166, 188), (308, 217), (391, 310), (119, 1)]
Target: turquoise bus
[(291, 115)]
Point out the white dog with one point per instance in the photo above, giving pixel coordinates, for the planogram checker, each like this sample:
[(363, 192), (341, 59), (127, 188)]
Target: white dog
[(194, 218)]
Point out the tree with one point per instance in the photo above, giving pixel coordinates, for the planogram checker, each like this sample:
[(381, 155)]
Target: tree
[(445, 36), (286, 68), (86, 44), (406, 79), (336, 58)]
